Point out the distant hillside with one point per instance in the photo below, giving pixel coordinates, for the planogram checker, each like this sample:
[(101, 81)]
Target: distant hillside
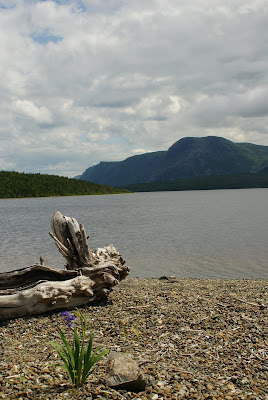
[(205, 183), (15, 184), (187, 158)]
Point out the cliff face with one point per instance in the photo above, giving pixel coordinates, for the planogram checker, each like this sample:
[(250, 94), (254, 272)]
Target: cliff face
[(187, 158)]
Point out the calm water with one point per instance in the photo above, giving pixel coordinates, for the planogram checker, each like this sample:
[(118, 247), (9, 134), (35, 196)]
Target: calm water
[(196, 234)]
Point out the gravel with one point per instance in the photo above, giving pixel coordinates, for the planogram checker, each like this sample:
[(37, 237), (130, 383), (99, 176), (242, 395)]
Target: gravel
[(192, 338)]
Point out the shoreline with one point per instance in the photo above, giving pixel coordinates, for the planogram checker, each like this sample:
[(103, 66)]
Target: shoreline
[(130, 192), (65, 195), (197, 339)]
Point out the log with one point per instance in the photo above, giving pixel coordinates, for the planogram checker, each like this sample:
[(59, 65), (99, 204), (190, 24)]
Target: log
[(88, 278)]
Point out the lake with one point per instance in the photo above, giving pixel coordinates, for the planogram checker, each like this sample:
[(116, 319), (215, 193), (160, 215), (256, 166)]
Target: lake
[(191, 234)]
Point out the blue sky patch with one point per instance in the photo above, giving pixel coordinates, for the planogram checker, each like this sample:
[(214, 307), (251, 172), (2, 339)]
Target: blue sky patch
[(78, 4), (6, 6), (44, 38)]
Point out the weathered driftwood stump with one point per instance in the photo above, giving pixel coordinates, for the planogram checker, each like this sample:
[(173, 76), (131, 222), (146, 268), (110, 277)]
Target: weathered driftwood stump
[(88, 278)]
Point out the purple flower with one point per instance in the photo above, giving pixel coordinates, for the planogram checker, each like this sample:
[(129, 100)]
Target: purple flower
[(67, 318)]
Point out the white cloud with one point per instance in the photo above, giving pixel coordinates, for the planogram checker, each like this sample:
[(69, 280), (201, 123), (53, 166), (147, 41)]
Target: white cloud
[(89, 81), (39, 114), (176, 104), (141, 151)]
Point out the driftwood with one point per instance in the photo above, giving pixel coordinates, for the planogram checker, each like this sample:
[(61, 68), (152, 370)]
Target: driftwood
[(88, 278)]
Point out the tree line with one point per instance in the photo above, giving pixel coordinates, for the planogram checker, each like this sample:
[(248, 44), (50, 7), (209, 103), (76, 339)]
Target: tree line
[(15, 184), (243, 181)]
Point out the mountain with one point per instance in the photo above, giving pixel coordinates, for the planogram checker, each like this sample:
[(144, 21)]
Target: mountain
[(16, 184), (187, 158)]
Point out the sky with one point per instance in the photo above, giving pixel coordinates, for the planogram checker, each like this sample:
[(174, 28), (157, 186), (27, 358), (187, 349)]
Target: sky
[(102, 80)]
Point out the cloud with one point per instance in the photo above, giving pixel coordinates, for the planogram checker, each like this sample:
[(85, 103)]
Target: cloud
[(27, 108), (89, 81), (141, 151)]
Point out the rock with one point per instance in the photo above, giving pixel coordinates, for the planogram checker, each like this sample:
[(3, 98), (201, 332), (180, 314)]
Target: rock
[(170, 279), (122, 372), (209, 386)]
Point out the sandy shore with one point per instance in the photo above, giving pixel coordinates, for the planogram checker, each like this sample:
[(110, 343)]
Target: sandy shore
[(194, 339)]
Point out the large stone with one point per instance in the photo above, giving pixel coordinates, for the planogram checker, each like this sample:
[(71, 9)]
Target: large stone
[(123, 372)]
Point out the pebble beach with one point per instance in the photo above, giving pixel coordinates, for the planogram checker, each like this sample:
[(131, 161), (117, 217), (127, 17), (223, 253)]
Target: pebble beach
[(192, 338)]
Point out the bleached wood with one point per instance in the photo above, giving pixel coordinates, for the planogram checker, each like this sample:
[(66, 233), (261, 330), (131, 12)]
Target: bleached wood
[(89, 276), (48, 296), (69, 235)]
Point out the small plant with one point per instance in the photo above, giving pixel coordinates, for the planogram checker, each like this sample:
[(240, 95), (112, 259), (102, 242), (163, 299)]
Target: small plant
[(136, 331), (124, 329), (77, 359), (22, 378)]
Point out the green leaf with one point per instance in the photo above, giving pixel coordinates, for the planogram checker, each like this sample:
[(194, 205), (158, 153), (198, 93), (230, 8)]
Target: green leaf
[(66, 362), (67, 347), (91, 362), (87, 365), (96, 359), (76, 344)]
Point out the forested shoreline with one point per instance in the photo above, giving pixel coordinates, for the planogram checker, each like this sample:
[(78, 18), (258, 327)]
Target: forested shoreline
[(214, 182), (17, 185)]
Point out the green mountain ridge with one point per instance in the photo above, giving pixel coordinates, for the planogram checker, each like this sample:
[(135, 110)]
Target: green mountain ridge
[(187, 158), (15, 185)]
